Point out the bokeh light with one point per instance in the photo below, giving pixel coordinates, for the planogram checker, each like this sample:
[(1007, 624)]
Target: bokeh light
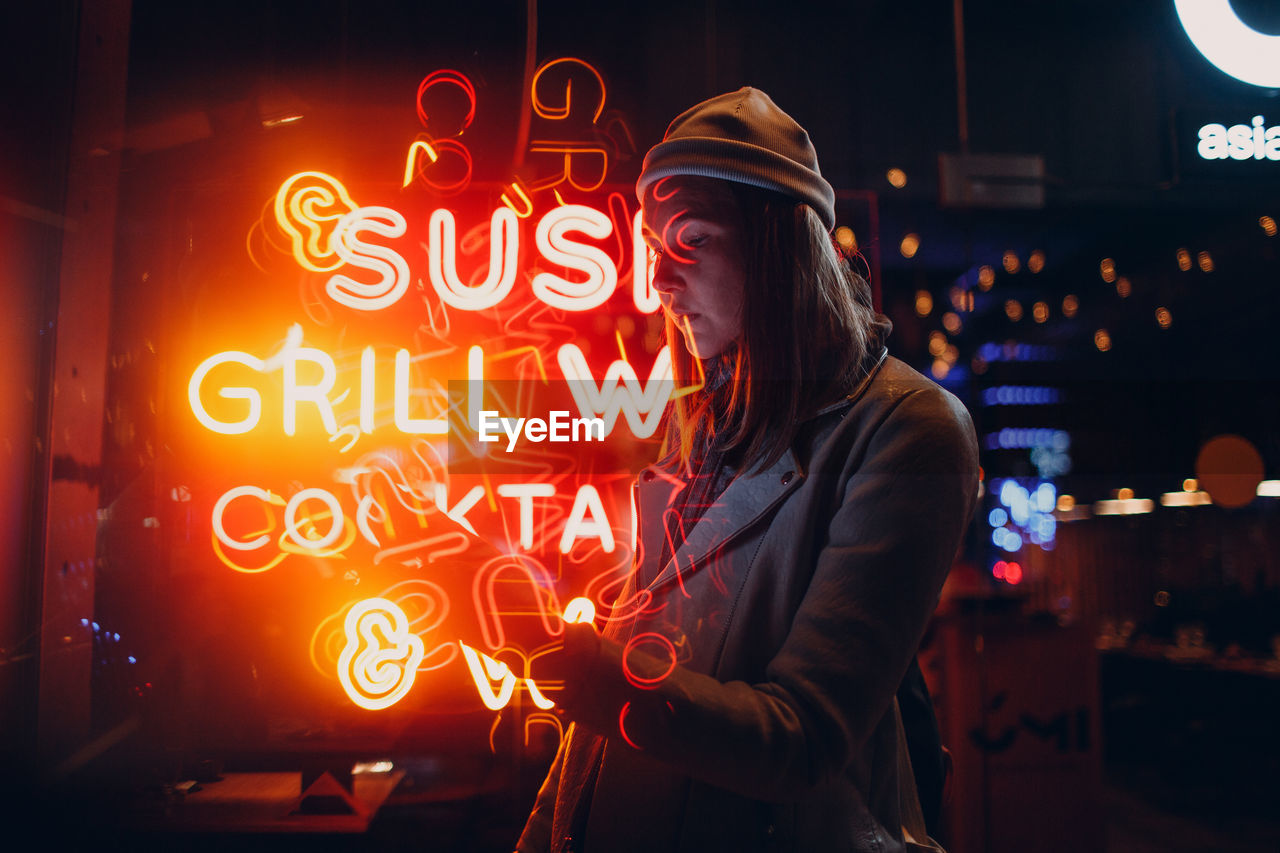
[(910, 245), (846, 239), (1229, 468), (986, 277)]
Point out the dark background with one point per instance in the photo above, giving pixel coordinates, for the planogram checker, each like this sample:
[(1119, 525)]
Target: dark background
[(1108, 94)]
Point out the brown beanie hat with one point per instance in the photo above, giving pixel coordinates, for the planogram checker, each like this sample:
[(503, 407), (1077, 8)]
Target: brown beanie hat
[(742, 136)]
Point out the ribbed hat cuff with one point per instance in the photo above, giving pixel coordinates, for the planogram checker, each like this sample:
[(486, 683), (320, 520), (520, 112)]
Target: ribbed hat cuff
[(734, 160)]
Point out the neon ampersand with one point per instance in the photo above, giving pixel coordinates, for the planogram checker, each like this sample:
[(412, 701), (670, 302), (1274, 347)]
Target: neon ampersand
[(377, 671)]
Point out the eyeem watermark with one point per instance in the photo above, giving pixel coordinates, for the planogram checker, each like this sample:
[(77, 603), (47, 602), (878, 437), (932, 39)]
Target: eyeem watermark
[(560, 428)]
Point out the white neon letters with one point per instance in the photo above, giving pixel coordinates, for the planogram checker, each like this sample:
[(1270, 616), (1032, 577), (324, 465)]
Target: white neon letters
[(442, 256), (387, 263), (525, 493), (578, 527), (486, 670), (335, 516), (587, 519), (602, 276), (433, 426), (295, 390), (642, 405), (1240, 141), (620, 392), (317, 394), (220, 508), (551, 236), (232, 393), (643, 264)]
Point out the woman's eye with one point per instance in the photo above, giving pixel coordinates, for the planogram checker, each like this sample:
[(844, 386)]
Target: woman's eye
[(695, 240)]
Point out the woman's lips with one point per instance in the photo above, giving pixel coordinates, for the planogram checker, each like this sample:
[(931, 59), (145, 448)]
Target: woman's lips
[(681, 318)]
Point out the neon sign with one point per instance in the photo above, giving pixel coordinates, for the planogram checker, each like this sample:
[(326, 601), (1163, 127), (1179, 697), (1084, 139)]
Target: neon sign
[(586, 520), (377, 669), (305, 205), (1229, 43), (1240, 141), (363, 266), (1241, 52), (620, 392), (300, 214)]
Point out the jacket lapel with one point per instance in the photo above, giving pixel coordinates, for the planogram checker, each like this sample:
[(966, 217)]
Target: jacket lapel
[(744, 502), (655, 491)]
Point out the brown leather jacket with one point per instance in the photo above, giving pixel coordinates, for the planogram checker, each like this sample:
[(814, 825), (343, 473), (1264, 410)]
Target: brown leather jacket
[(793, 609)]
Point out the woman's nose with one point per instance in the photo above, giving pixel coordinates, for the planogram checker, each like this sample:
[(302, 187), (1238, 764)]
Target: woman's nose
[(664, 278)]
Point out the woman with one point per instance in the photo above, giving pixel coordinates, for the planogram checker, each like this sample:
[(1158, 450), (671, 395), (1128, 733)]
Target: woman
[(792, 542)]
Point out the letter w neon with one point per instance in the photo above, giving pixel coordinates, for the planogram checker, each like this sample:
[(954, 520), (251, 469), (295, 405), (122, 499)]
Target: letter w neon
[(620, 391)]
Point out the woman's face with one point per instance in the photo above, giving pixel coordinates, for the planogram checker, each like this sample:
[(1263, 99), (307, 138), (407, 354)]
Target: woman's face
[(696, 228)]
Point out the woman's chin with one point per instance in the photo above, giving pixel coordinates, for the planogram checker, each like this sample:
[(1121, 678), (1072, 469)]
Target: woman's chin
[(704, 349), (699, 350)]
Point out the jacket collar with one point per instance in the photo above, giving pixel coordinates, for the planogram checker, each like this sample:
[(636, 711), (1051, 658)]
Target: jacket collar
[(747, 499)]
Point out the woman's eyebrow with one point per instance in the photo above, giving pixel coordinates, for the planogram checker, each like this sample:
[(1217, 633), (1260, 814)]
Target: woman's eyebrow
[(690, 220)]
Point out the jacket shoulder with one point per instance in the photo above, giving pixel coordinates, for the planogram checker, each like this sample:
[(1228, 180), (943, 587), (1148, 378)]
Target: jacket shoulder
[(899, 408), (894, 383), (898, 383)]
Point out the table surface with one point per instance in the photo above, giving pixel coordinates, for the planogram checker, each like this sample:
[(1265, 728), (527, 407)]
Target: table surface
[(265, 802)]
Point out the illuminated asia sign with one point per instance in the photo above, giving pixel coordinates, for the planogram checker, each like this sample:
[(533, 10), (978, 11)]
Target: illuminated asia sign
[(1229, 43), (433, 312), (1253, 141), (1241, 52)]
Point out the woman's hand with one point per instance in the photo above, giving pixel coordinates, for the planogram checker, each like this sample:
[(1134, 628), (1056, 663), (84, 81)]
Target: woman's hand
[(568, 662)]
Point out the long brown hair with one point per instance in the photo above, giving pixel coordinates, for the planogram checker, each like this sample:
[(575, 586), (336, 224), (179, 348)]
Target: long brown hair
[(806, 330)]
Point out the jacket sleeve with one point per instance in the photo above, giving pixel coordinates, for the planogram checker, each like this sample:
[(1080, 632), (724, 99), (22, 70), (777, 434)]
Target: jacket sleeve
[(536, 837), (887, 552)]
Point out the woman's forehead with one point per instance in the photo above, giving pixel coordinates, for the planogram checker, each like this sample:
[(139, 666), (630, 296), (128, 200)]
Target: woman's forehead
[(694, 196)]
